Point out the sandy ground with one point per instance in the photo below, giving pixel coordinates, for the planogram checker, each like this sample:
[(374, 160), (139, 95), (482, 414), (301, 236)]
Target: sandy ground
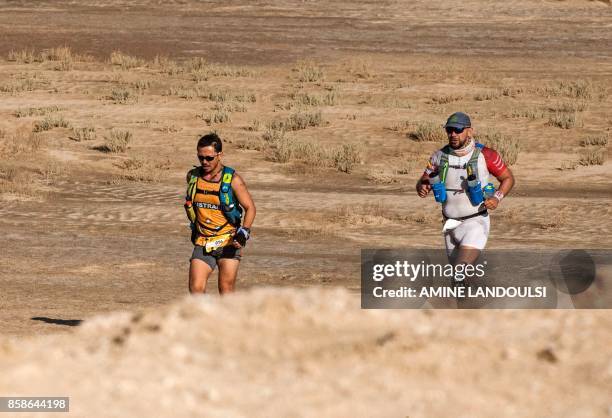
[(307, 353), (81, 238)]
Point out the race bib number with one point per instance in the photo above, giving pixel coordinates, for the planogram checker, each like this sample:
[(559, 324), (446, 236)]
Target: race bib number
[(216, 242)]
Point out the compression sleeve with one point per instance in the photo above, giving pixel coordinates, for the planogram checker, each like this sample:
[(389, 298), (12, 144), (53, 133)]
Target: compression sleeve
[(494, 161)]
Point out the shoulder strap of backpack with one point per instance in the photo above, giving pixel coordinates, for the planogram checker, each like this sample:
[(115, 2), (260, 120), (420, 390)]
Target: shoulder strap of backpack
[(443, 166), (473, 162), (225, 191)]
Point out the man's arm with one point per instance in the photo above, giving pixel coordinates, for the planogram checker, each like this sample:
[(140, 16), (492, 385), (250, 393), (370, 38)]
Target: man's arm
[(423, 187), (506, 180), (246, 201)]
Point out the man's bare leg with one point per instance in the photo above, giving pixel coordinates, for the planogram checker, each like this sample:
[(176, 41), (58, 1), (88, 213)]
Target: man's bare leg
[(228, 271), (199, 272), (466, 255)]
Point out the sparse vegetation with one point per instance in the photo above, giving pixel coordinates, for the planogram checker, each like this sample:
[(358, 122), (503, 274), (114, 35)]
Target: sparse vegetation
[(345, 157), (87, 133), (595, 140), (49, 123), (487, 95), (18, 86), (308, 99), (298, 121), (580, 89), (23, 141), (428, 132), (508, 147), (308, 71), (117, 141), (563, 120), (283, 149), (123, 96), (36, 111), (255, 125), (218, 116), (592, 156), (125, 61), (531, 114), (445, 99)]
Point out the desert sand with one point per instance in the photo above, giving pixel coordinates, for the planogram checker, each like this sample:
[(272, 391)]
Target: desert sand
[(330, 112)]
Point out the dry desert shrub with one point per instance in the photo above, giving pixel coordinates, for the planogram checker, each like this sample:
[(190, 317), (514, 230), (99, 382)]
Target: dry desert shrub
[(308, 99), (122, 95), (508, 147), (36, 111), (87, 133), (531, 114), (360, 68), (23, 141), (346, 157), (252, 143), (140, 85), (218, 116), (230, 107), (221, 96), (487, 95), (381, 176), (399, 126), (125, 61), (445, 99), (564, 120), (592, 156), (25, 56), (509, 91), (595, 140), (50, 122), (568, 165), (117, 141), (254, 125), (16, 180), (185, 92), (569, 107), (165, 65), (169, 129), (50, 171), (579, 89), (298, 121), (18, 86), (428, 132), (283, 149), (308, 71)]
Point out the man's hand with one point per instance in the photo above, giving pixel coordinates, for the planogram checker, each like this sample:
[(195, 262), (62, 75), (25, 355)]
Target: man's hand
[(241, 237), (423, 188), (491, 203)]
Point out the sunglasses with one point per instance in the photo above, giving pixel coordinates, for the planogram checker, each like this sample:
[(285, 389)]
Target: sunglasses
[(451, 129), (208, 158)]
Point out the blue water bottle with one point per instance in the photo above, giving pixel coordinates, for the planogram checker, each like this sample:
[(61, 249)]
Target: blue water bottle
[(439, 188), (474, 190), (489, 190)]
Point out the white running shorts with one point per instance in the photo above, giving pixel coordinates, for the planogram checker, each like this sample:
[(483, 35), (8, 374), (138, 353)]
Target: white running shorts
[(473, 232)]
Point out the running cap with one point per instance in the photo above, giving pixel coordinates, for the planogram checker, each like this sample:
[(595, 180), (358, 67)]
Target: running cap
[(458, 120)]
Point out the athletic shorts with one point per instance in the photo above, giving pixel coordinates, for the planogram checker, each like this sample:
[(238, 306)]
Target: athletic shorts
[(473, 232), (213, 257)]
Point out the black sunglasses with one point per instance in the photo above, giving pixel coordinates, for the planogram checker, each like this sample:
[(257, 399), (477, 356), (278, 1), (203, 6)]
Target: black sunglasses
[(450, 129), (206, 157)]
